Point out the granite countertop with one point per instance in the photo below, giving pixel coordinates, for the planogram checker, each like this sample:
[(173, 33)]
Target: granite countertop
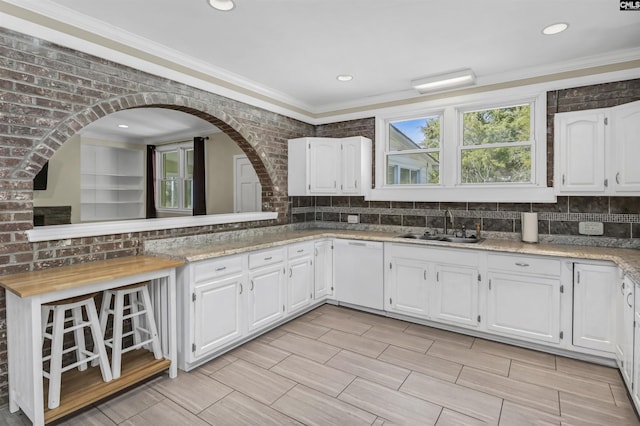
[(195, 250)]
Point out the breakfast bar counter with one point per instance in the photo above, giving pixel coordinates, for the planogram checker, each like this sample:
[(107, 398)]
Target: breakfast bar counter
[(27, 292)]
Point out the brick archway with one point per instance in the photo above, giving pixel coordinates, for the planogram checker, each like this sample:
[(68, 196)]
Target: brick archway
[(245, 139)]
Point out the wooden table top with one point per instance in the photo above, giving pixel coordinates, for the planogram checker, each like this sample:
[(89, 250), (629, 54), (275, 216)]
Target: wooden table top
[(34, 283)]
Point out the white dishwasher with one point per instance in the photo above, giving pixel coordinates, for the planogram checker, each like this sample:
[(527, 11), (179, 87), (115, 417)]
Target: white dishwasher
[(359, 273)]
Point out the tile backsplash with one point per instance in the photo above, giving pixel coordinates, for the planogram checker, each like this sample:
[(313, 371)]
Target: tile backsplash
[(619, 215)]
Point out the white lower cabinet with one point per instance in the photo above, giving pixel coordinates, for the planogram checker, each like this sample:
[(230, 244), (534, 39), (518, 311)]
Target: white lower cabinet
[(524, 297), (406, 287), (456, 295), (265, 298), (625, 330), (323, 270), (635, 388), (594, 306), (300, 276), (219, 311)]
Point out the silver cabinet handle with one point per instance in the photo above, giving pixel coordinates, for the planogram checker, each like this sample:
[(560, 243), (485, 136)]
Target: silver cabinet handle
[(315, 250), (300, 251), (220, 268), (268, 258), (622, 288), (251, 285), (290, 272), (240, 288), (630, 305), (563, 179), (356, 183), (524, 265), (618, 178), (425, 274)]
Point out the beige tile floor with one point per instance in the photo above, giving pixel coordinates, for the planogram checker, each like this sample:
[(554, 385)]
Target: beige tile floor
[(336, 366)]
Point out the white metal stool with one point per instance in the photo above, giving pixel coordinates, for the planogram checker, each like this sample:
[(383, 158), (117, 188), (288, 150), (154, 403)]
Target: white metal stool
[(62, 325), (143, 325)]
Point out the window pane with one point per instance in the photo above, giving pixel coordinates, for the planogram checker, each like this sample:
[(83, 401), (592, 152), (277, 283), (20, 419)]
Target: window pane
[(499, 125), (419, 133), (416, 169), (496, 165), (170, 167), (188, 194), (169, 193), (188, 167)]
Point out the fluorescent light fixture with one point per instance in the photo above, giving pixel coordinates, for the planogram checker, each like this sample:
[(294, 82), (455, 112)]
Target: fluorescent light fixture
[(448, 80), (123, 126), (555, 28), (344, 77), (224, 5)]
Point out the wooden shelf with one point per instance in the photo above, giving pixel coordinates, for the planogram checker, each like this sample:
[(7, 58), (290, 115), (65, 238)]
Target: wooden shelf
[(82, 388)]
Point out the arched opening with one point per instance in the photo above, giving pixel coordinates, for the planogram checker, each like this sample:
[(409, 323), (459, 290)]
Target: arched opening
[(228, 133)]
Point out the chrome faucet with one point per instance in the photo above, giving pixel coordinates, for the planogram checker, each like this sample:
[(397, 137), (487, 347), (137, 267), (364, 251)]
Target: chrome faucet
[(448, 212)]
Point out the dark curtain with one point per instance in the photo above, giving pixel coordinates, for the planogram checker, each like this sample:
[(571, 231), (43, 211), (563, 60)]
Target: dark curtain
[(199, 189), (151, 180)]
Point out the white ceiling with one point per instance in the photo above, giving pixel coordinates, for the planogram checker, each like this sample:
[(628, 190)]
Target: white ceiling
[(291, 51), (148, 125), (295, 48)]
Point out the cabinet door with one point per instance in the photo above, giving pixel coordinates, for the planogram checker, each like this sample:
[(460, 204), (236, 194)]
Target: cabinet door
[(218, 314), (455, 298), (324, 163), (407, 289), (624, 330), (323, 269), (299, 284), (524, 306), (581, 152), (626, 145), (594, 306), (266, 296), (351, 167)]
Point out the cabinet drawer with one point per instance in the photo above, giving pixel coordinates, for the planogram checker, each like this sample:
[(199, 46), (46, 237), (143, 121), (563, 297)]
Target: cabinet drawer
[(266, 257), (300, 249), (208, 269), (524, 264)]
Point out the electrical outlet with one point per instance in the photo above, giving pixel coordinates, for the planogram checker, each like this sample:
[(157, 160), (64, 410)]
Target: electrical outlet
[(353, 218), (590, 228)]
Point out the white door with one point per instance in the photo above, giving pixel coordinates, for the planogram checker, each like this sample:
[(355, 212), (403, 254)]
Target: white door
[(266, 296), (218, 314), (351, 158), (456, 295), (594, 306), (247, 191), (625, 332), (324, 165), (524, 306), (581, 152), (323, 269), (407, 289), (626, 144), (299, 284)]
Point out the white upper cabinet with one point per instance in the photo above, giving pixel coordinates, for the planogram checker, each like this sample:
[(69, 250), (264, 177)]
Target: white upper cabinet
[(625, 131), (330, 166), (580, 153), (596, 151)]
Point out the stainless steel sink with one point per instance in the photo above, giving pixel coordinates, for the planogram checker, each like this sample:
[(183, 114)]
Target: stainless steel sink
[(443, 238)]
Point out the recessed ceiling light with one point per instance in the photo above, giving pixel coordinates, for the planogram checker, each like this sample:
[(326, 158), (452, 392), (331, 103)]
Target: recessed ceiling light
[(224, 5), (123, 126), (449, 80), (344, 77), (555, 28)]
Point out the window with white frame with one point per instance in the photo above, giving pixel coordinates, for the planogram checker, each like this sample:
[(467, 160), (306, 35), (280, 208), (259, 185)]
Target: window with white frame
[(174, 177), (413, 151), (496, 145), (482, 147)]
